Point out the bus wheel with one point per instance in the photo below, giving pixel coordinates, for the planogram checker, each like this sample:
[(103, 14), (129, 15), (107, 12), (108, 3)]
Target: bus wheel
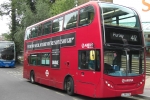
[(70, 86), (32, 77)]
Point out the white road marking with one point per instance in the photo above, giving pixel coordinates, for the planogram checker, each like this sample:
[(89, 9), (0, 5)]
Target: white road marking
[(136, 98), (75, 99), (60, 93)]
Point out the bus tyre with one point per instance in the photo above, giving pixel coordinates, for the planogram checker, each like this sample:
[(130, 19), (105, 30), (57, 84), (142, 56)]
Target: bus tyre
[(70, 86), (32, 77)]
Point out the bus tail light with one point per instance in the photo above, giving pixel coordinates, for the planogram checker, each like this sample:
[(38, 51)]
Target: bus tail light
[(109, 84)]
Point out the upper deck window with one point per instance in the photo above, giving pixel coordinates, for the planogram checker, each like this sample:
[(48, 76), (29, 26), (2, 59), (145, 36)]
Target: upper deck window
[(71, 20), (57, 24), (27, 34), (86, 15), (47, 28), (39, 30), (116, 15), (34, 32)]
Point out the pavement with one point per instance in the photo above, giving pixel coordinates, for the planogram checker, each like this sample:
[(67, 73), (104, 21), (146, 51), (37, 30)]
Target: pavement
[(147, 87)]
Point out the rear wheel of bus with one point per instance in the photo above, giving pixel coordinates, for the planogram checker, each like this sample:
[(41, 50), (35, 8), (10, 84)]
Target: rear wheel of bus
[(69, 86), (32, 77)]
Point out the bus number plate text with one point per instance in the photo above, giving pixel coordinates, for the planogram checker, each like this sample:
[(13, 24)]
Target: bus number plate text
[(125, 94), (6, 65)]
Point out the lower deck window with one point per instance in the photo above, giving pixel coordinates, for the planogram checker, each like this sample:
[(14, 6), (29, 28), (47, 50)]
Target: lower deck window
[(39, 59), (89, 60)]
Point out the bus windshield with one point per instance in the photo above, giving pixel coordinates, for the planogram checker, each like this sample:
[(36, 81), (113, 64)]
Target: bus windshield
[(121, 16), (6, 50), (119, 62)]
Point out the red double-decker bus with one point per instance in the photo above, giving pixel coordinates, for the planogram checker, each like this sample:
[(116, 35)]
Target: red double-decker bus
[(96, 49)]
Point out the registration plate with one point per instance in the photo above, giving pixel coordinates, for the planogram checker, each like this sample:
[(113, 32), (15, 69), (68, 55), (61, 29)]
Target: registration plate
[(126, 94), (6, 65)]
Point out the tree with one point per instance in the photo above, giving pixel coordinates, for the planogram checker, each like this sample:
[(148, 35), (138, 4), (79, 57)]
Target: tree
[(6, 36), (62, 5), (5, 8), (28, 12), (13, 19)]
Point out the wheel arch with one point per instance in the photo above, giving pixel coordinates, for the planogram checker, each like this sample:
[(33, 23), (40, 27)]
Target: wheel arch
[(65, 79)]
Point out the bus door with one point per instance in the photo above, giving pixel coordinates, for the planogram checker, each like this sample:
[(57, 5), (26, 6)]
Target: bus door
[(88, 71)]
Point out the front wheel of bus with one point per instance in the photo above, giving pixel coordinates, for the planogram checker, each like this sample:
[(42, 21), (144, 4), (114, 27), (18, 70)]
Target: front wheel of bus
[(32, 78), (70, 86)]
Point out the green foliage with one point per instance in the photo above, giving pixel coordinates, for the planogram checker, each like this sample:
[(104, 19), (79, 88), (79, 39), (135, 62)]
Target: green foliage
[(42, 10), (26, 17), (7, 36), (19, 37), (5, 8), (62, 5)]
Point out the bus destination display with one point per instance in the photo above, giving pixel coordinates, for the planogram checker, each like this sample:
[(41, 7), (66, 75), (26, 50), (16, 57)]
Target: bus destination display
[(117, 35)]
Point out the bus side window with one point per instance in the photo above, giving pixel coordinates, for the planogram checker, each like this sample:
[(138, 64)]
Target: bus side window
[(47, 28), (98, 60), (33, 59), (94, 60), (91, 17), (45, 59), (33, 32), (86, 15), (27, 34), (82, 60), (89, 60), (39, 30), (39, 59), (57, 25), (71, 20)]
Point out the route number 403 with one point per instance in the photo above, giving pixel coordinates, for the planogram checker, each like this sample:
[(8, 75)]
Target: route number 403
[(134, 38)]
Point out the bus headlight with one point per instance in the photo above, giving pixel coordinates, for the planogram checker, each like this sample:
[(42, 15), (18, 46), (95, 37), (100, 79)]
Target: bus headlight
[(140, 83), (12, 62), (109, 84)]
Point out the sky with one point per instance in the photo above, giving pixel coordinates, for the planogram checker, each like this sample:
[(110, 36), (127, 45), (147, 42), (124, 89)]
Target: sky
[(4, 21)]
